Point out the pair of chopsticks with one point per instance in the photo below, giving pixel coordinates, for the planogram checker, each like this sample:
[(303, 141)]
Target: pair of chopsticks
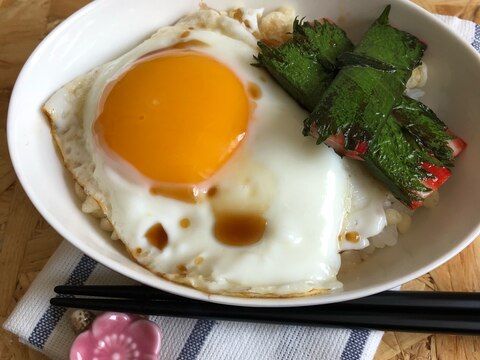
[(411, 311)]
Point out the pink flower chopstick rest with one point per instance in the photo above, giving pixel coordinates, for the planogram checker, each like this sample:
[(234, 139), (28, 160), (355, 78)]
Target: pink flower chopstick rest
[(118, 336)]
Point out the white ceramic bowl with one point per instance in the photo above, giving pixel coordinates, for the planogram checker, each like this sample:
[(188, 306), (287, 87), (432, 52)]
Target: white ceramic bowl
[(106, 28)]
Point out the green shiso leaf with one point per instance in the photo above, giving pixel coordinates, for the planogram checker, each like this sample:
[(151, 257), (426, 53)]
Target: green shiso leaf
[(296, 71), (322, 39), (427, 129)]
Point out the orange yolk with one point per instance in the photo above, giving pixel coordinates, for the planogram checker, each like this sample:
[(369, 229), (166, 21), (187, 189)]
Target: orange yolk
[(176, 117)]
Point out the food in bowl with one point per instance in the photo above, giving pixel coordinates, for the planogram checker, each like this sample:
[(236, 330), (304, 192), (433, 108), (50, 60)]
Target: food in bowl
[(356, 105), (243, 207)]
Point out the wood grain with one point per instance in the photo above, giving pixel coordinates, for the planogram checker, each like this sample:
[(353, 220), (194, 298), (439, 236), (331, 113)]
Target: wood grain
[(27, 241), (464, 9)]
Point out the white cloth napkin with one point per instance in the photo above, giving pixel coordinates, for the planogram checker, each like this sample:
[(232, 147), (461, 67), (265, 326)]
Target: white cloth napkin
[(47, 328)]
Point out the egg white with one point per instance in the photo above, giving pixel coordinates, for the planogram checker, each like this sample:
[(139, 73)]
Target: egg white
[(304, 191)]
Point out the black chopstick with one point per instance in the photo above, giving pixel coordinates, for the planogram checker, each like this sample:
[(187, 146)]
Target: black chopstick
[(448, 301), (411, 320), (119, 291), (413, 311)]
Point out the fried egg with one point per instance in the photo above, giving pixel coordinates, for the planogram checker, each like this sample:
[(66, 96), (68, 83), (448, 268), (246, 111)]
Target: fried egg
[(196, 158)]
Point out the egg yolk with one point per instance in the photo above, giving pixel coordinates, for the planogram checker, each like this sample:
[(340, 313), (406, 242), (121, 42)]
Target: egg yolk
[(176, 116)]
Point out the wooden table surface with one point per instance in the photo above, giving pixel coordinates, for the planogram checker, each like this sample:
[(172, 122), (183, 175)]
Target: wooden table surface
[(27, 241)]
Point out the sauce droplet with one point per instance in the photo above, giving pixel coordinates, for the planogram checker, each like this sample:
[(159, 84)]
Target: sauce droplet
[(352, 236), (157, 236), (182, 269), (185, 223), (185, 34), (212, 192), (239, 229), (185, 194), (254, 90), (238, 15)]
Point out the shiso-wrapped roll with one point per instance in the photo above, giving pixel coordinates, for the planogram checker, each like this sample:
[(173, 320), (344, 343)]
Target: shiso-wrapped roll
[(306, 65), (361, 111)]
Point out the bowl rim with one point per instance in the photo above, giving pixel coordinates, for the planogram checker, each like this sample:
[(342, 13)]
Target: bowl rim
[(177, 288)]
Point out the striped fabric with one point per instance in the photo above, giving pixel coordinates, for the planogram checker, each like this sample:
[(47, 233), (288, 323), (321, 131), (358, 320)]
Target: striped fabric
[(47, 328), (476, 40)]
